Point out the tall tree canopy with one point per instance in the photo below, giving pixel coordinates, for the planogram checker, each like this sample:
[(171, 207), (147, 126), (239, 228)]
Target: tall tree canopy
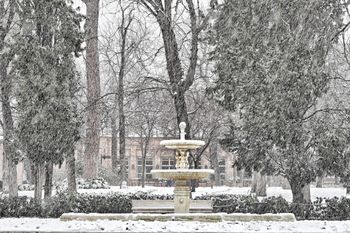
[(48, 122), (271, 64)]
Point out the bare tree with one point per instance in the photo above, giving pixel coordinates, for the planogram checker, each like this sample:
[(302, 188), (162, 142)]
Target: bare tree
[(92, 140), (179, 81), (148, 110), (122, 43)]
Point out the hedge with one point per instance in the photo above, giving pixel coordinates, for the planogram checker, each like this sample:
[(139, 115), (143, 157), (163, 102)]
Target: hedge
[(321, 209)]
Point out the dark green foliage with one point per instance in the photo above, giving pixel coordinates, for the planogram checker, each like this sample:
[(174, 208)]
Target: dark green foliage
[(321, 209), (231, 203), (272, 205), (84, 203), (19, 207), (271, 62), (48, 121)]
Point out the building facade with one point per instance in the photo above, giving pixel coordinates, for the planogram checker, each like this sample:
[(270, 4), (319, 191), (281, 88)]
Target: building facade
[(158, 157)]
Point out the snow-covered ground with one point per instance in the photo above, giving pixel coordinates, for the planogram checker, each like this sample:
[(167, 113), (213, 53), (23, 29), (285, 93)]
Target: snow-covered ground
[(271, 191), (49, 225)]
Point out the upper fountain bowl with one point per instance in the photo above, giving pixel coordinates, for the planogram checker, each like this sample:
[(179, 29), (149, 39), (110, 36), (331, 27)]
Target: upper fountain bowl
[(182, 144)]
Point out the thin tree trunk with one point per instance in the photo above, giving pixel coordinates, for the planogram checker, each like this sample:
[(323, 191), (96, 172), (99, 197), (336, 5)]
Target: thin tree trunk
[(214, 162), (93, 90), (5, 176), (70, 166), (114, 149), (122, 134), (143, 176), (48, 180)]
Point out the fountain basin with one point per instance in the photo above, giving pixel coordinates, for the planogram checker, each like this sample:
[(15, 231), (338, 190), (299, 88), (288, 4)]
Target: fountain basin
[(183, 174), (179, 144)]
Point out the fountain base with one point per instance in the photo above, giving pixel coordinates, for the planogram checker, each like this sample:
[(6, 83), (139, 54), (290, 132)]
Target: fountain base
[(182, 190)]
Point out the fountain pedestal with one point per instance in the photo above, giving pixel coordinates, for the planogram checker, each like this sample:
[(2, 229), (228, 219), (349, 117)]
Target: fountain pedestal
[(181, 197), (182, 190)]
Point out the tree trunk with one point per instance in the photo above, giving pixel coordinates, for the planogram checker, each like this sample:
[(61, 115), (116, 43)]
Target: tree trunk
[(298, 196), (347, 189), (214, 162), (38, 182), (70, 167), (27, 169), (306, 193), (12, 179), (319, 181), (114, 149), (93, 90), (122, 134), (195, 183), (5, 176), (181, 111), (254, 181), (260, 185), (48, 180), (241, 178), (143, 176), (8, 131), (301, 193)]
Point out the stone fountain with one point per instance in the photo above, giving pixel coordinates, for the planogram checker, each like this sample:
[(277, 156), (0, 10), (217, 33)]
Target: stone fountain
[(182, 174), (163, 210)]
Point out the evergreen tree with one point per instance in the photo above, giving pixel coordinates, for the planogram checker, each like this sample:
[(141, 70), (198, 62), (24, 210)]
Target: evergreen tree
[(271, 65), (48, 121)]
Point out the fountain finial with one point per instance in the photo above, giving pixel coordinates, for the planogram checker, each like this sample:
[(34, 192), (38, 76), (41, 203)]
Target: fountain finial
[(182, 127)]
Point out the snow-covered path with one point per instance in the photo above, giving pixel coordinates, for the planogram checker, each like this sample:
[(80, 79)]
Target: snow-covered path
[(55, 225)]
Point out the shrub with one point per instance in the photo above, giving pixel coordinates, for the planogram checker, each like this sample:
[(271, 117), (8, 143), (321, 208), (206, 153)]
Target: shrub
[(321, 209), (19, 207), (87, 203), (272, 205), (98, 183), (229, 203)]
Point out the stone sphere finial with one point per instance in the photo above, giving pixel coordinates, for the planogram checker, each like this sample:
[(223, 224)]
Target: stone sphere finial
[(182, 127)]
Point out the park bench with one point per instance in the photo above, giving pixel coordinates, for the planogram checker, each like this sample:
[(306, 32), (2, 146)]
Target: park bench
[(167, 206)]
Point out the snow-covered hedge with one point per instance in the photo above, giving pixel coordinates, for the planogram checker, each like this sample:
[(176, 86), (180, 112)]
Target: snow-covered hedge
[(25, 187), (19, 207), (322, 209), (98, 183)]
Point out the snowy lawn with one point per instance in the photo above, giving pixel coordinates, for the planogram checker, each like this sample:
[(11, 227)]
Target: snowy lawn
[(271, 191), (49, 225)]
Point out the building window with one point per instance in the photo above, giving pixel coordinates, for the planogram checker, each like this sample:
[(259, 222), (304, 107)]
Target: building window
[(222, 170), (149, 167), (168, 163)]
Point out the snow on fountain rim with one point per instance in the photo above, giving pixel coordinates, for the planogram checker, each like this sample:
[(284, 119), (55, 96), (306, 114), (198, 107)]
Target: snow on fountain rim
[(179, 142), (183, 170)]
